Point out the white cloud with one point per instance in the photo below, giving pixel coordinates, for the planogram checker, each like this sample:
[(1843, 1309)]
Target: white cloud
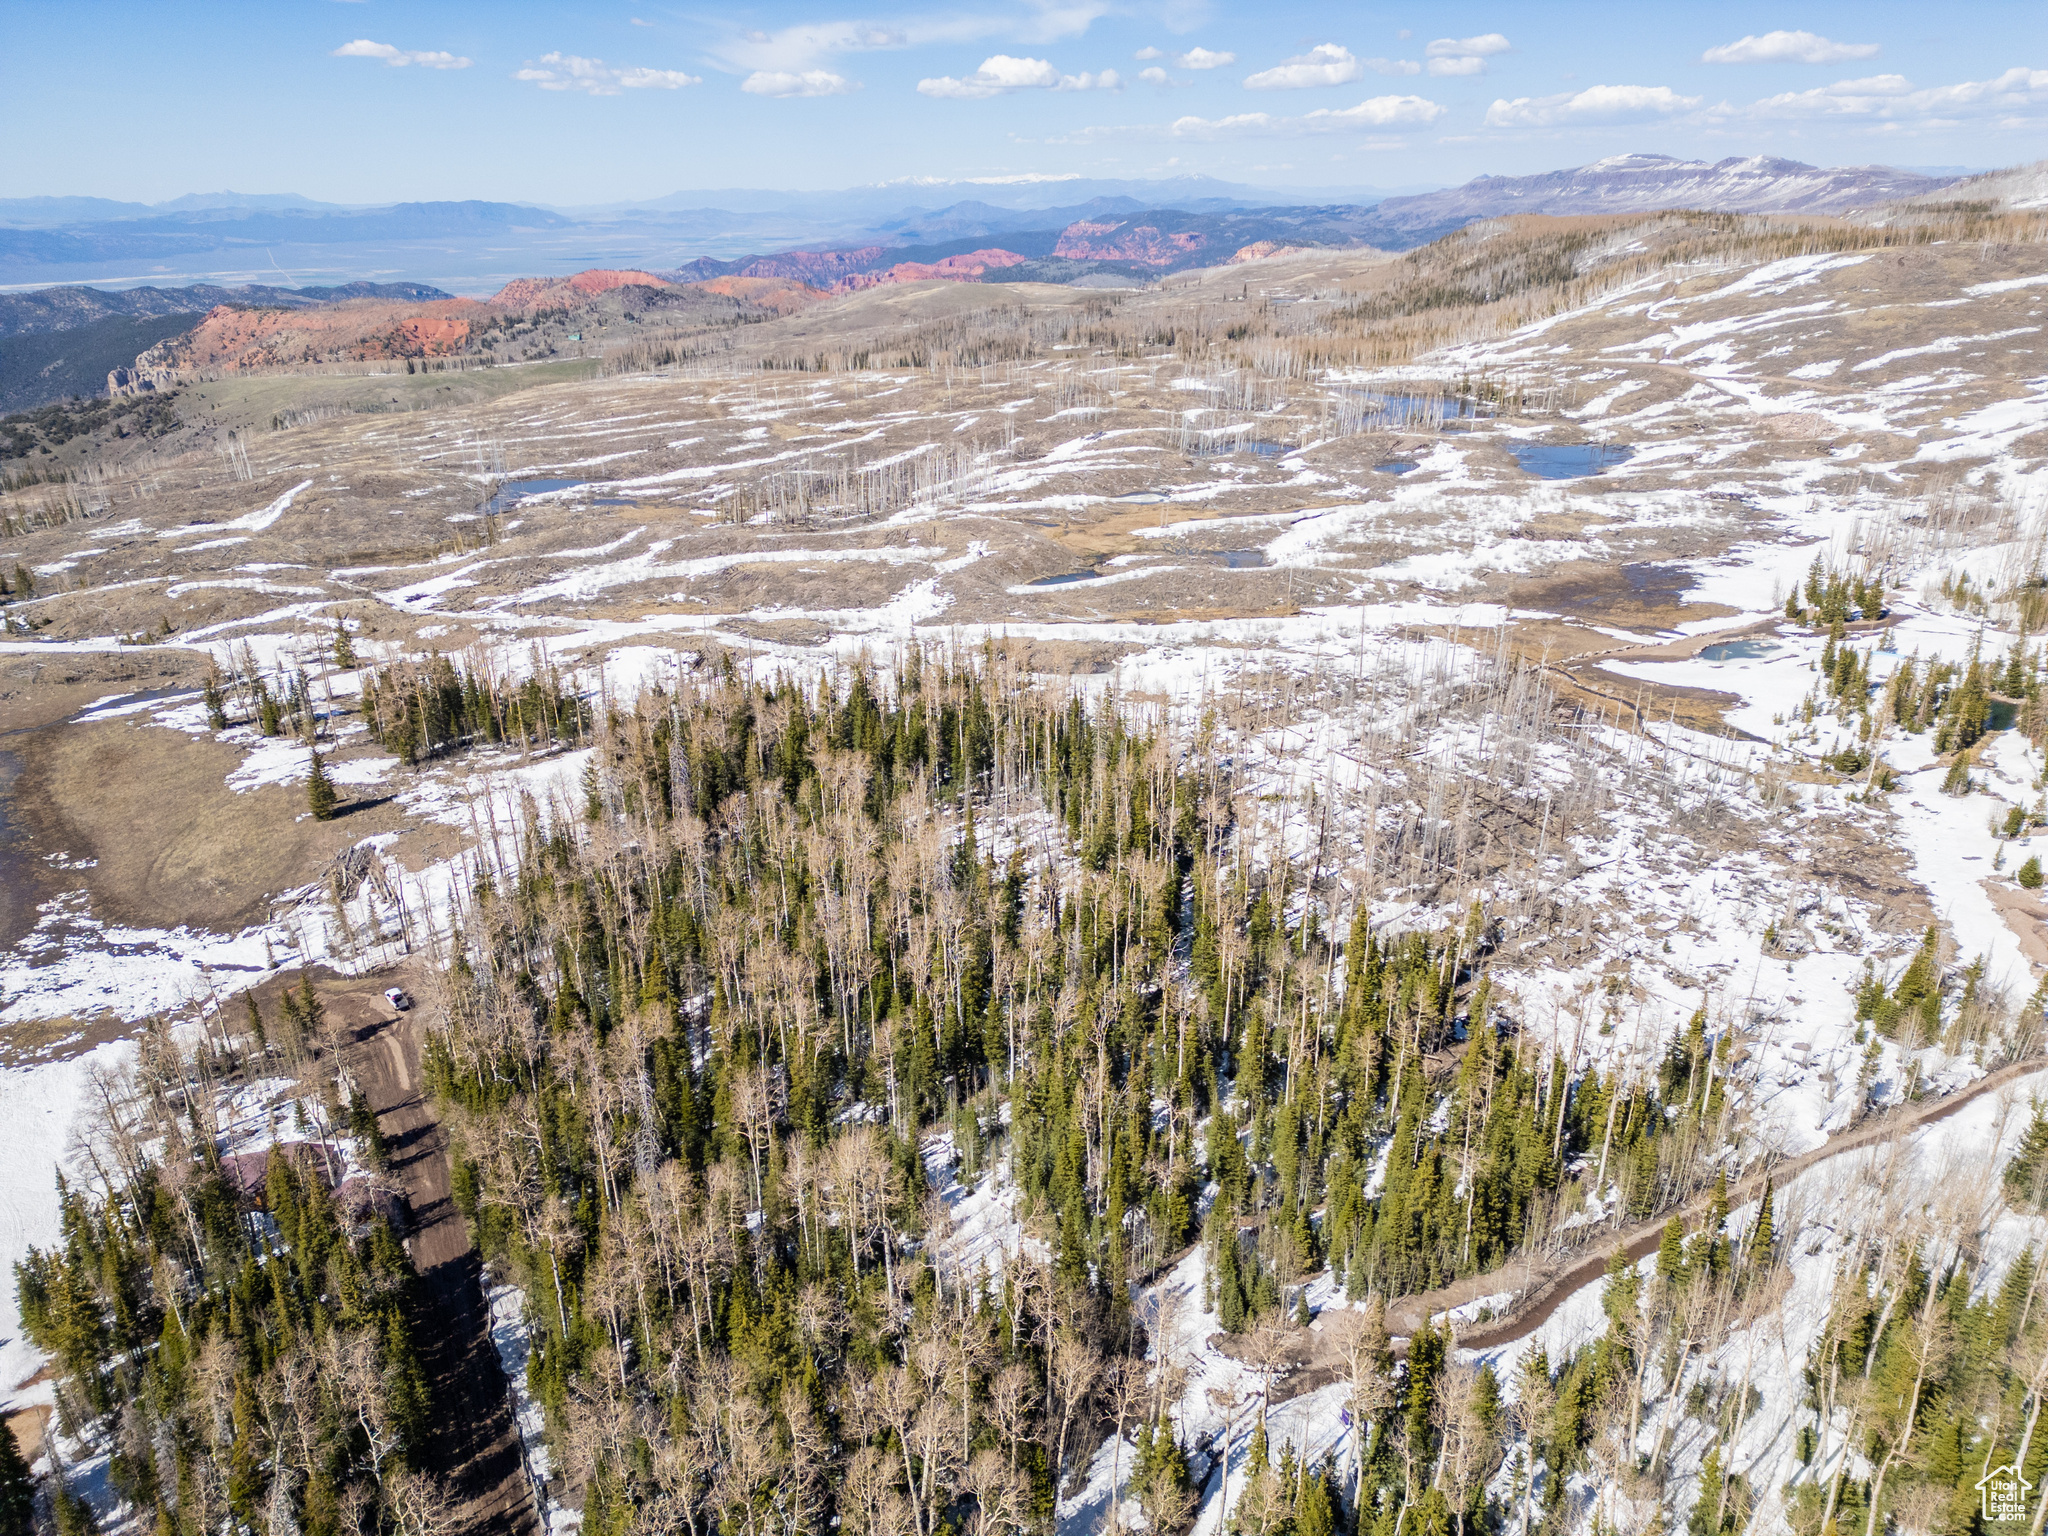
[(363, 48), (1155, 76), (1000, 74), (1891, 98), (1462, 64), (1324, 64), (808, 45), (1787, 48), (808, 82), (798, 48), (1375, 112), (568, 72), (1595, 104), (1149, 53), (1482, 46), (1203, 58)]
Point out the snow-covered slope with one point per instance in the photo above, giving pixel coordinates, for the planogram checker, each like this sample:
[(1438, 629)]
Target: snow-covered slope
[(1644, 183)]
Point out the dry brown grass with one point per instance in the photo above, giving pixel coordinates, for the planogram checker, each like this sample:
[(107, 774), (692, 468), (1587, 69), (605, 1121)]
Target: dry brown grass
[(152, 807)]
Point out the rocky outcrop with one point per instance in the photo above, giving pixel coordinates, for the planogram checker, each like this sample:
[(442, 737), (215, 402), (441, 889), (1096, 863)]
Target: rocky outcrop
[(1264, 250), (1145, 245), (140, 380), (969, 267), (155, 370), (782, 295), (526, 292), (821, 269), (234, 337)]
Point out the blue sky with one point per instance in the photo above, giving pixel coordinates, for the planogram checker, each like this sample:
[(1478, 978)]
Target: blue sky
[(378, 100)]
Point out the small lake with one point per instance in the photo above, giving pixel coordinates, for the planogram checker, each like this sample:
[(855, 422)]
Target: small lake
[(1063, 580), (514, 491), (1454, 408), (1568, 461), (1738, 650), (1242, 559), (1258, 447), (1395, 466)]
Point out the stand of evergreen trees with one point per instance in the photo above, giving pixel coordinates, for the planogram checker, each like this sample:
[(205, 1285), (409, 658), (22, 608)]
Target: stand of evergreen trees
[(695, 1038), (244, 1355), (422, 709)]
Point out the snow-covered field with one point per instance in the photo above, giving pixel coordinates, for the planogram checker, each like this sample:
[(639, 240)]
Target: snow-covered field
[(1367, 593)]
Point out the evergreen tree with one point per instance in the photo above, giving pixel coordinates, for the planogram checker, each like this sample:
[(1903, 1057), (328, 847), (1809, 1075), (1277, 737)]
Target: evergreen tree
[(2026, 1176), (320, 795), (17, 1488), (1315, 1512), (1671, 1252), (74, 1516), (2029, 875), (1763, 1233), (257, 1033), (362, 1124)]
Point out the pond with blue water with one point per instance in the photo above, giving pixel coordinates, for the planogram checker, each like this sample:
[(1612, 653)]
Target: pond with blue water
[(1568, 461), (1738, 650), (512, 492)]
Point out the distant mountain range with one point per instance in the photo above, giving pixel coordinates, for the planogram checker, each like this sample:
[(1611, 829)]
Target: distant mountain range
[(1003, 231), (477, 247), (1644, 183)]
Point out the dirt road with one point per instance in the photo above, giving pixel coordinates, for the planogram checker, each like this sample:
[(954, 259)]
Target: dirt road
[(475, 1444), (1639, 1241), (1542, 1288)]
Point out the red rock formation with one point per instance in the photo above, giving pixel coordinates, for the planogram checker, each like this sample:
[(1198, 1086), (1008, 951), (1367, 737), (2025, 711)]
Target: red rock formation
[(524, 292), (784, 295), (968, 267), (230, 337), (1261, 250), (818, 268), (1143, 244)]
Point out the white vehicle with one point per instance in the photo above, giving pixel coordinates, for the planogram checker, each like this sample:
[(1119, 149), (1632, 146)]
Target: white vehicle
[(396, 997)]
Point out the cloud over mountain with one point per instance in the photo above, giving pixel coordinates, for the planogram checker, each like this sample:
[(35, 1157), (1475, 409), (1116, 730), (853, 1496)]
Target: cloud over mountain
[(1595, 104)]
